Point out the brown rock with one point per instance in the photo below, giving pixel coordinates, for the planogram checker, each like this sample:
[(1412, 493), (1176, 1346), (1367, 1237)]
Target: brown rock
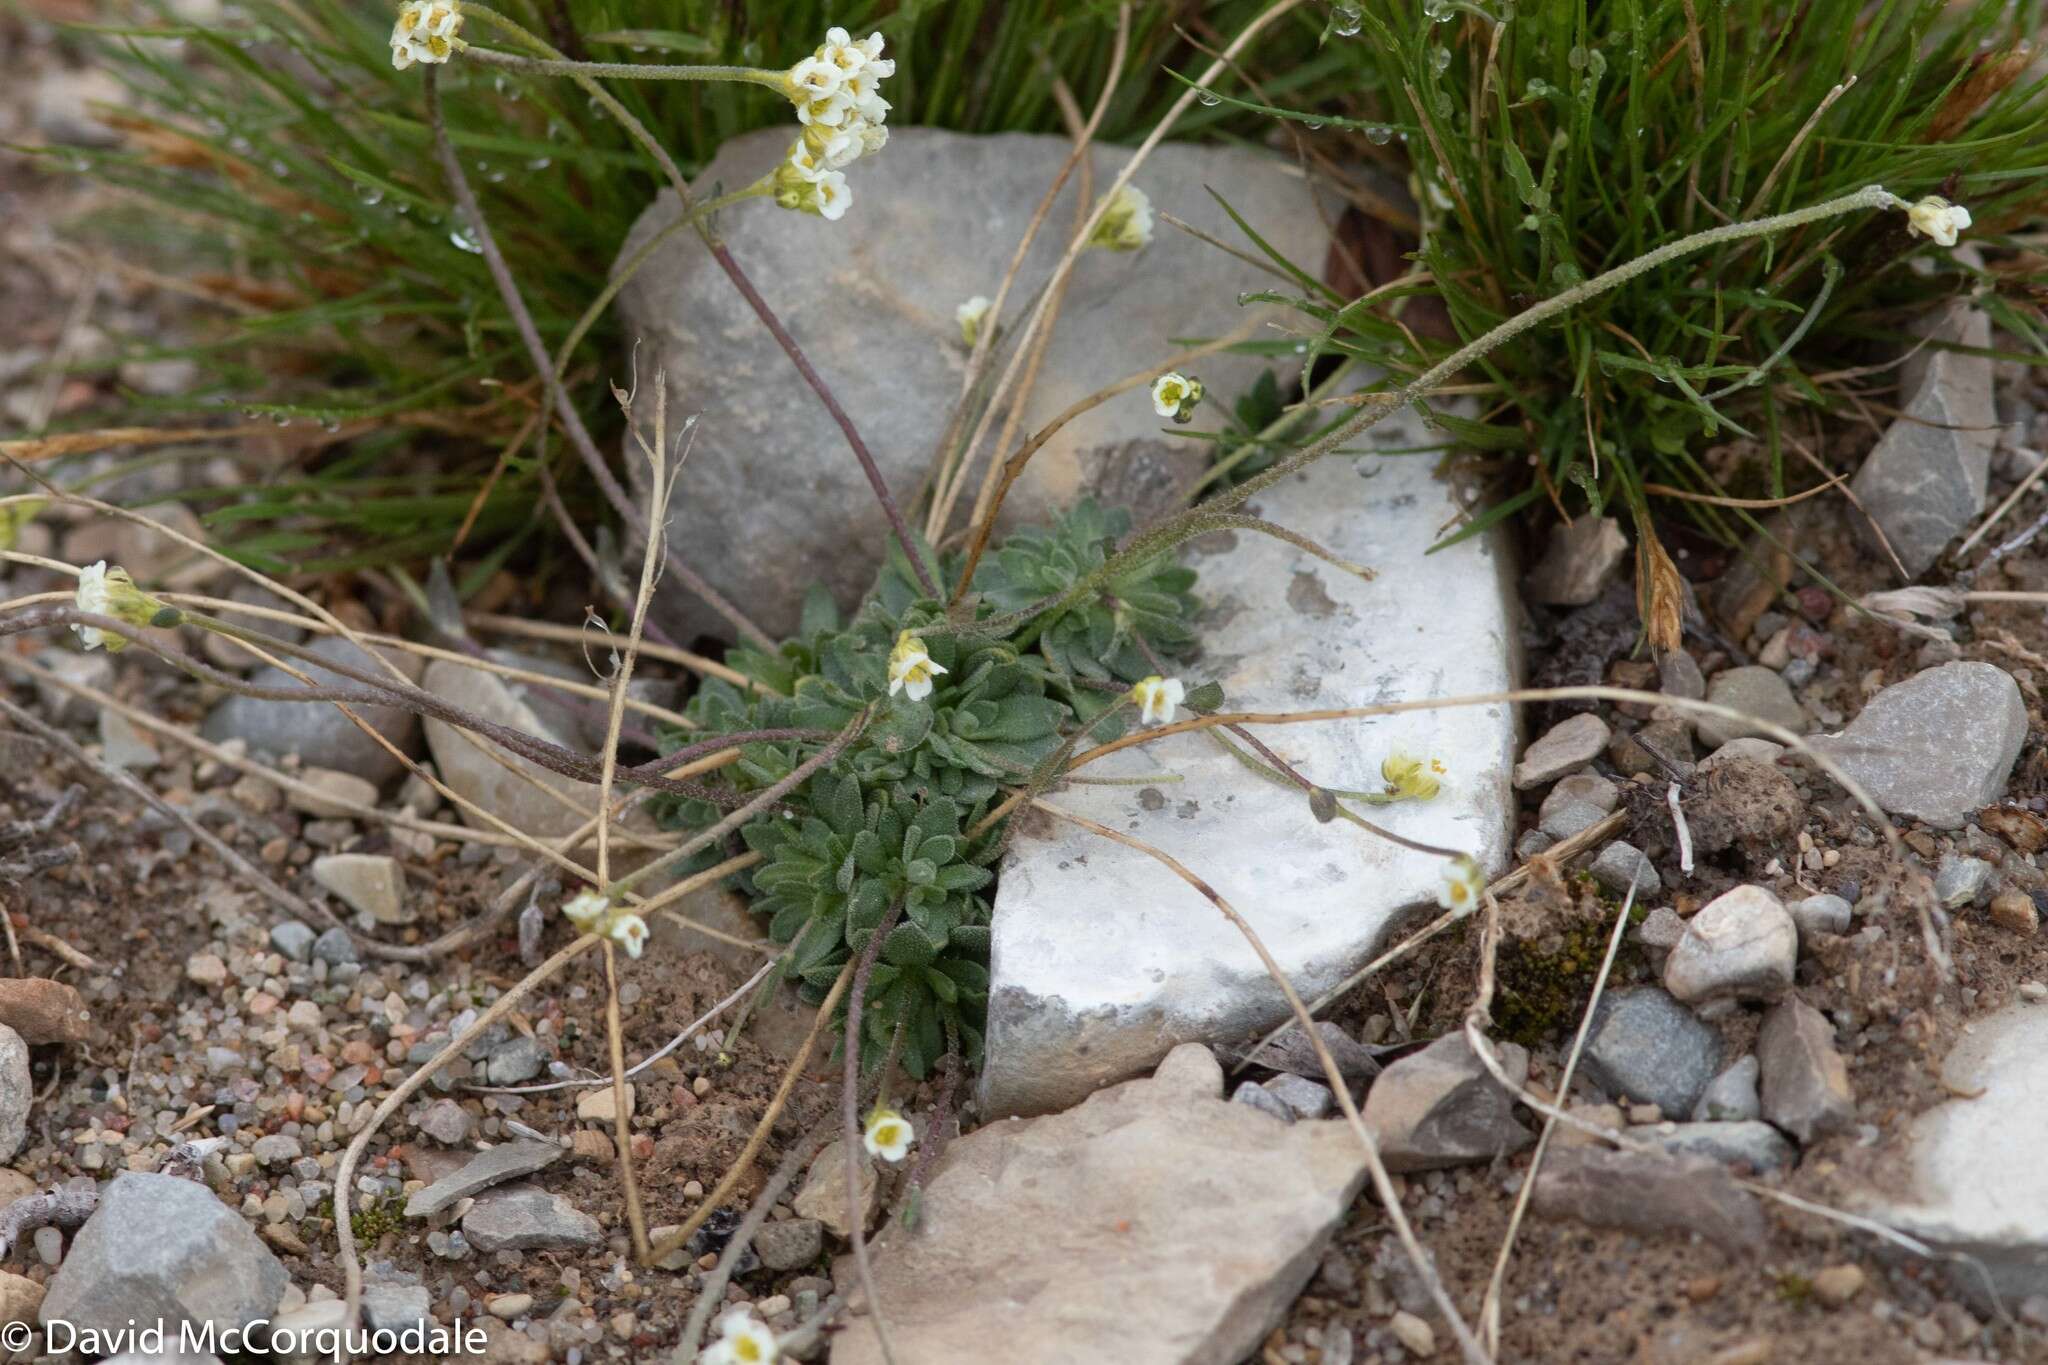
[(284, 1237), (823, 1196), (14, 1185), (1805, 1082), (1650, 1195), (2014, 911), (2024, 830), (1037, 1237), (597, 1106), (20, 1298), (588, 1144), (44, 1011), (1608, 1116)]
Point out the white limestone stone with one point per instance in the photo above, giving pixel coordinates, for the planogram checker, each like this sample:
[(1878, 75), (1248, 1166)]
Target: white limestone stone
[(1103, 960), (1978, 1184)]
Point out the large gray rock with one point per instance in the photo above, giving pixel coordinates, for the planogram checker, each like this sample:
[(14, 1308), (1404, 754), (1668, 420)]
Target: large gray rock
[(317, 731), (1102, 959), (1646, 1046), (1924, 481), (1441, 1107), (1155, 1215), (1977, 1182), (1937, 746), (871, 299), (159, 1248)]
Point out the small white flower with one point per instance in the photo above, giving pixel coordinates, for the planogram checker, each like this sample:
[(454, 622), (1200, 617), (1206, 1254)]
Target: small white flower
[(805, 162), (96, 597), (1126, 224), (873, 137), (888, 1135), (743, 1339), (425, 31), (1462, 888), (829, 112), (1410, 776), (816, 79), (587, 910), (911, 668), (1170, 393), (629, 931), (1935, 217), (833, 196), (871, 108), (1157, 697), (834, 149), (111, 592), (969, 316), (1176, 395)]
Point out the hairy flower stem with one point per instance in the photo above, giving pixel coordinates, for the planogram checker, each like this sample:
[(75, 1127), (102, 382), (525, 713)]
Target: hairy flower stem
[(537, 352), (740, 281), (1174, 530), (778, 81), (849, 1121)]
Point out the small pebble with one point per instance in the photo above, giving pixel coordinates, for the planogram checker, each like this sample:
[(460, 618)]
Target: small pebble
[(1838, 1284), (1418, 1336)]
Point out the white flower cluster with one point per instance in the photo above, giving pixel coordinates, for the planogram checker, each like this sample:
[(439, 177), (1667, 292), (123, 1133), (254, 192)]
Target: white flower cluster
[(837, 91), (425, 32), (595, 914)]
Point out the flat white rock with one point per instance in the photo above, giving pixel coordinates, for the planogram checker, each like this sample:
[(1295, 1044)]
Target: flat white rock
[(1978, 1184), (1102, 958)]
